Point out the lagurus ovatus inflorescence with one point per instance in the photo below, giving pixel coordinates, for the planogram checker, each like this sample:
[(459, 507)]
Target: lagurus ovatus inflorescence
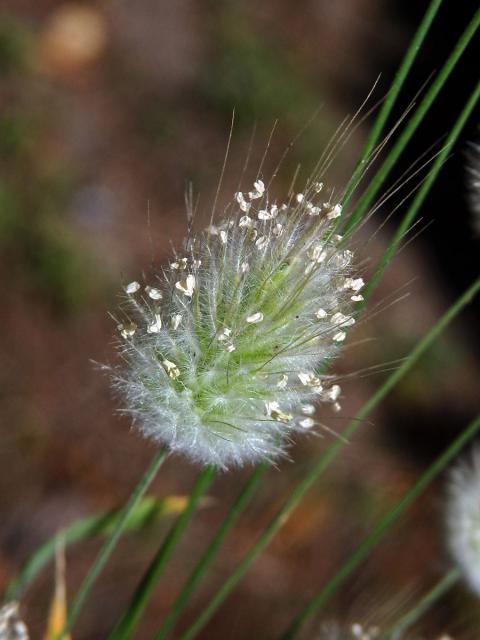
[(225, 351)]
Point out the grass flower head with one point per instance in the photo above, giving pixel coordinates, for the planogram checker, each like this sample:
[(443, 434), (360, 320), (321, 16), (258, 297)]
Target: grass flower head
[(224, 351), (474, 184), (355, 632), (463, 519), (11, 625)]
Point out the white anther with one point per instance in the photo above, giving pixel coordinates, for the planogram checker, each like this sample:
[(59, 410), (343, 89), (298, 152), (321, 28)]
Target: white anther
[(259, 186), (156, 325), (259, 190), (263, 214), (242, 203), (224, 334), (273, 410), (245, 221), (309, 379), (307, 423), (154, 294), (132, 287), (261, 242), (355, 284), (127, 330), (332, 394), (186, 286), (255, 318), (171, 368), (336, 212)]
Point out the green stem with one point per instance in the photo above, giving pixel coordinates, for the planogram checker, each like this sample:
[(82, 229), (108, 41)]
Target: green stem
[(422, 193), (381, 529), (110, 544), (330, 454), (182, 600), (391, 98), (140, 598), (412, 125), (438, 591)]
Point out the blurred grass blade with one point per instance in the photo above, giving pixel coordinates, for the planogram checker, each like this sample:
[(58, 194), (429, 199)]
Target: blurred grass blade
[(412, 125), (422, 193), (148, 511), (325, 460), (409, 619), (58, 609), (381, 529), (391, 98), (200, 568), (145, 589), (111, 543)]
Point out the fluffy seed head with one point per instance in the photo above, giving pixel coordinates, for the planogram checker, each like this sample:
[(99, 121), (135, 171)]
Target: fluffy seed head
[(463, 518), (474, 185), (224, 350), (11, 625), (356, 631)]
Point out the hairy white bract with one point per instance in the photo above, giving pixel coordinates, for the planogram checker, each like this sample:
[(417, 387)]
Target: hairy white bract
[(224, 351), (463, 518)]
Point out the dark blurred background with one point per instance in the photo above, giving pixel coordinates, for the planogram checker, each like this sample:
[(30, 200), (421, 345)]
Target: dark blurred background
[(108, 111)]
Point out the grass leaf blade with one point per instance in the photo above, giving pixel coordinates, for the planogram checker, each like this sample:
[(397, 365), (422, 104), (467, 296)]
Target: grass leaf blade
[(392, 96), (413, 124), (144, 591), (381, 529)]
